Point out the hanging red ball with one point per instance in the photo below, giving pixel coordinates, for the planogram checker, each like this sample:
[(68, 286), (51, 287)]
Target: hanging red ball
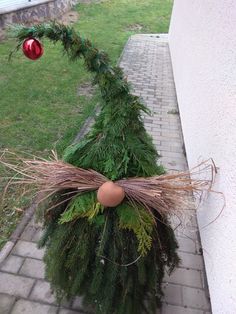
[(32, 48)]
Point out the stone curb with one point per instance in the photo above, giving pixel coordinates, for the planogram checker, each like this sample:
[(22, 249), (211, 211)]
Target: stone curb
[(5, 251), (123, 51), (85, 127)]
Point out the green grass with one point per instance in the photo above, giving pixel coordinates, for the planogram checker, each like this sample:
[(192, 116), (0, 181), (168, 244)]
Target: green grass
[(39, 106)]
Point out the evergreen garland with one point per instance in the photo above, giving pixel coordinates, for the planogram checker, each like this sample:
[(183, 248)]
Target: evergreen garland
[(113, 257)]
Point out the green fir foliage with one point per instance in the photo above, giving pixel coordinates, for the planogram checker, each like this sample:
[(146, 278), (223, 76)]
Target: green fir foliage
[(140, 221), (85, 205), (114, 257)]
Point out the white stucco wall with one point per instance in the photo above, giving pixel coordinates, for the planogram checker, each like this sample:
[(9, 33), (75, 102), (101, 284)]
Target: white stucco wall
[(203, 50)]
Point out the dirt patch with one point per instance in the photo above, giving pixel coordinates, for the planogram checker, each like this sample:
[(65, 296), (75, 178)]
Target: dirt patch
[(69, 18), (2, 34), (173, 111), (135, 27), (91, 1), (86, 89)]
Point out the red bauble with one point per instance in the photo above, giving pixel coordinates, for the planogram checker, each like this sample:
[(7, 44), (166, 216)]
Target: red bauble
[(32, 48)]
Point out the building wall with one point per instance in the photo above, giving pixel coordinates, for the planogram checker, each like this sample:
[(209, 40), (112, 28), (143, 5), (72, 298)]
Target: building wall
[(202, 40)]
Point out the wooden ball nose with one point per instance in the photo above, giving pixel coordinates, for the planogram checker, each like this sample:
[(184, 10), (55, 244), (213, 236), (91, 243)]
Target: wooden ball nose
[(110, 194)]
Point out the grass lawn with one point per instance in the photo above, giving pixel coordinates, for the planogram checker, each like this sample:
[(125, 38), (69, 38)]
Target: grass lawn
[(40, 108)]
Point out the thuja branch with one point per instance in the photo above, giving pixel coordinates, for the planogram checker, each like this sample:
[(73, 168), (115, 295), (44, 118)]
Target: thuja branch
[(110, 79)]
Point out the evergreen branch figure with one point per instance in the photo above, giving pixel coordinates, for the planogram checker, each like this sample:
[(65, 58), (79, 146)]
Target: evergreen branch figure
[(114, 257)]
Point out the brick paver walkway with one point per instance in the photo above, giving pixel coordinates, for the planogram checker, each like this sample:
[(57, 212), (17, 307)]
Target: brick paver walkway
[(146, 62)]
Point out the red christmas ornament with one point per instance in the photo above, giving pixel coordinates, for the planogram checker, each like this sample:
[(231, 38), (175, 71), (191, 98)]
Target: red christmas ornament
[(32, 48)]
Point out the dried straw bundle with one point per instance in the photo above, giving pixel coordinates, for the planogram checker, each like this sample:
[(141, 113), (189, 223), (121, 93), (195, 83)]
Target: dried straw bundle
[(166, 193)]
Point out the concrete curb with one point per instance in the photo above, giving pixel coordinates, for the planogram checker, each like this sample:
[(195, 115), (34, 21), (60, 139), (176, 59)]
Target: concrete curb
[(5, 251), (86, 126)]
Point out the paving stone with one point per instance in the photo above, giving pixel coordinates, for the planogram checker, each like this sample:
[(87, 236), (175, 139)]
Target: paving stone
[(172, 135), (66, 303), (157, 134), (164, 149), (29, 307), (12, 264), (198, 247), (66, 311), (177, 149), (28, 233), (172, 127), (157, 143), (187, 245), (42, 292), (189, 232), (6, 303), (146, 120), (37, 235), (157, 128), (77, 303), (176, 160), (189, 260), (172, 309), (193, 220), (174, 143), (6, 250), (173, 294), (195, 298), (172, 164), (188, 277), (15, 285), (28, 249), (33, 268), (33, 222)]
